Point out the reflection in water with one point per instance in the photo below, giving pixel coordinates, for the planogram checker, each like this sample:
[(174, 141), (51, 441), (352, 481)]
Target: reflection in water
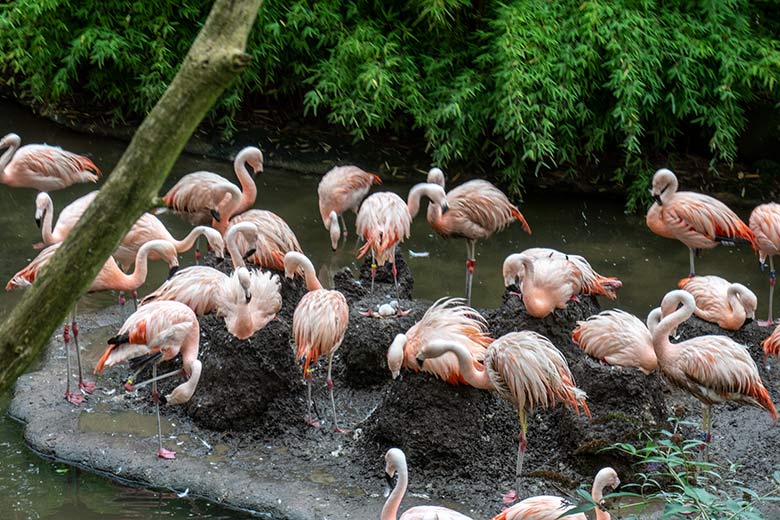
[(616, 245)]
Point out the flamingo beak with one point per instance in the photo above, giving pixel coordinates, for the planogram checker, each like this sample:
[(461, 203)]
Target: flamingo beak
[(248, 295), (172, 270), (388, 479), (215, 215), (38, 222), (249, 253), (420, 361), (444, 207), (657, 199)]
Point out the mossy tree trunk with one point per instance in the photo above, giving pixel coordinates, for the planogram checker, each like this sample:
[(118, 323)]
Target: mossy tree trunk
[(217, 55)]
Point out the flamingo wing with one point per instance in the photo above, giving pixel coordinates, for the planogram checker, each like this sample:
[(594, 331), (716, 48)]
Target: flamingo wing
[(543, 507), (343, 188), (382, 222), (71, 214), (274, 238), (198, 194), (319, 323), (765, 224), (709, 292), (480, 209), (50, 167), (432, 513), (27, 275), (197, 287), (618, 338), (693, 217), (591, 281)]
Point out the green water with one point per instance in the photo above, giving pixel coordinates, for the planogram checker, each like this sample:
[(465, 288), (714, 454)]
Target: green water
[(616, 245)]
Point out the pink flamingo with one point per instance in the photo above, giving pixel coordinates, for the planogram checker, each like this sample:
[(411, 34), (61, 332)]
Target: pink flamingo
[(526, 370), (260, 237), (69, 216), (719, 301), (713, 369), (446, 319), (771, 345), (548, 281), (477, 210), (547, 507), (110, 277), (42, 167), (319, 323), (395, 462), (342, 189), (384, 221), (155, 333), (210, 199), (765, 224), (697, 220), (618, 338), (247, 300)]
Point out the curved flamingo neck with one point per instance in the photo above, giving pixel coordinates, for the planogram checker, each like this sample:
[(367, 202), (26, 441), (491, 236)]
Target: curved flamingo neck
[(186, 243), (48, 223), (248, 186), (190, 347), (390, 509), (247, 229), (597, 492), (138, 277), (416, 194), (12, 141), (476, 378), (665, 327), (737, 310), (312, 282)]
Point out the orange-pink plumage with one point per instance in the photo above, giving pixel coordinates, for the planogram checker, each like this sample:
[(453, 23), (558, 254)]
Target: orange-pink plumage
[(342, 189), (719, 301)]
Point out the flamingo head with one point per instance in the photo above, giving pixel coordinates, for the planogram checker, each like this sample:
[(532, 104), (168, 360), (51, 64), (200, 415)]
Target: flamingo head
[(748, 299), (333, 229), (183, 392), (436, 176), (513, 270), (165, 251), (538, 305), (245, 281), (253, 160), (654, 318), (10, 141), (215, 240), (664, 186), (42, 205), (395, 460), (395, 355), (433, 349), (607, 477)]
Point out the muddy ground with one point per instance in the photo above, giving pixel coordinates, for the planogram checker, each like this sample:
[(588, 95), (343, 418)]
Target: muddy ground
[(242, 441)]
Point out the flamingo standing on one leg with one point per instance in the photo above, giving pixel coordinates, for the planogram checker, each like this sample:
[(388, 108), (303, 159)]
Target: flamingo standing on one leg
[(155, 333), (719, 301), (526, 370), (395, 462), (260, 237), (319, 323), (547, 507), (208, 198), (110, 277), (477, 210), (713, 369), (697, 220), (446, 319), (42, 167), (342, 189), (765, 224)]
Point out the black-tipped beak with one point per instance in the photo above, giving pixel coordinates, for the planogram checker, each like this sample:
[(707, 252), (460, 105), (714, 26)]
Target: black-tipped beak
[(248, 296), (249, 253), (38, 222), (172, 270), (657, 199), (444, 207), (215, 215), (420, 362), (162, 399), (388, 479), (748, 320)]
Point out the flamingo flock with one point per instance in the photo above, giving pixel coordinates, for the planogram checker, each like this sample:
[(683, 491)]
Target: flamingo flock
[(451, 341)]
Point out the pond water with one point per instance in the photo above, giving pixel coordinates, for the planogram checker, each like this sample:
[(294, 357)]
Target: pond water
[(616, 244)]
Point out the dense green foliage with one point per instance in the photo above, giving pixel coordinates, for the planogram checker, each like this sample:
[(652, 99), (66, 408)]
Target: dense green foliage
[(520, 85)]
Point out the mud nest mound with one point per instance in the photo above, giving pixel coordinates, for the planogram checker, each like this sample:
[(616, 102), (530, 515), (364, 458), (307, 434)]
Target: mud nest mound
[(383, 281)]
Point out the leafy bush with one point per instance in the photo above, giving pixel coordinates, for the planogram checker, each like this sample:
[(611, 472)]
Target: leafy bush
[(518, 85)]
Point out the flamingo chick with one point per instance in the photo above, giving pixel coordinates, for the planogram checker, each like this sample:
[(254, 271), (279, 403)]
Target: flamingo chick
[(342, 189), (729, 305), (395, 462), (319, 323), (697, 220), (548, 507), (713, 369), (477, 210), (526, 370), (155, 333), (765, 224), (210, 199), (260, 237), (449, 319), (42, 167)]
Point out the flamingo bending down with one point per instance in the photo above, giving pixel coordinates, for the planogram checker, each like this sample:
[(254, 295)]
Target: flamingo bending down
[(477, 210), (43, 167), (155, 333), (547, 507), (526, 370), (447, 318), (618, 338), (342, 189), (713, 369), (395, 462), (208, 198), (697, 220), (765, 224), (260, 237), (110, 277), (319, 324), (718, 301), (247, 300)]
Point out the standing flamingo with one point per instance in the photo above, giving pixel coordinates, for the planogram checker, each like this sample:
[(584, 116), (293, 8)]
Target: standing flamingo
[(526, 370), (713, 369), (69, 216), (546, 507), (765, 224), (477, 210), (260, 237), (718, 301), (42, 167), (395, 462), (618, 338), (247, 300), (110, 277), (319, 323), (447, 318), (342, 189), (208, 198), (697, 220), (158, 332)]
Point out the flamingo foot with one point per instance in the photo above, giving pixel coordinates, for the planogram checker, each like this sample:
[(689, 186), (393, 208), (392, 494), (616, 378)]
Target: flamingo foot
[(767, 323), (509, 497), (312, 422), (74, 397), (166, 454), (87, 386), (129, 387)]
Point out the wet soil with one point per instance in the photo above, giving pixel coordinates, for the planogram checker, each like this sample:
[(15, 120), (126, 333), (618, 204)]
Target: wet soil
[(242, 440)]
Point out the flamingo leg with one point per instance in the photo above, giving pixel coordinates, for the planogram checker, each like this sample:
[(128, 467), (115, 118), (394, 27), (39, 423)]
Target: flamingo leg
[(161, 452), (471, 261), (706, 426), (373, 270), (691, 255), (772, 280), (395, 274), (135, 300), (84, 386), (332, 399), (344, 233), (513, 494), (122, 300), (309, 419), (73, 397), (197, 250)]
